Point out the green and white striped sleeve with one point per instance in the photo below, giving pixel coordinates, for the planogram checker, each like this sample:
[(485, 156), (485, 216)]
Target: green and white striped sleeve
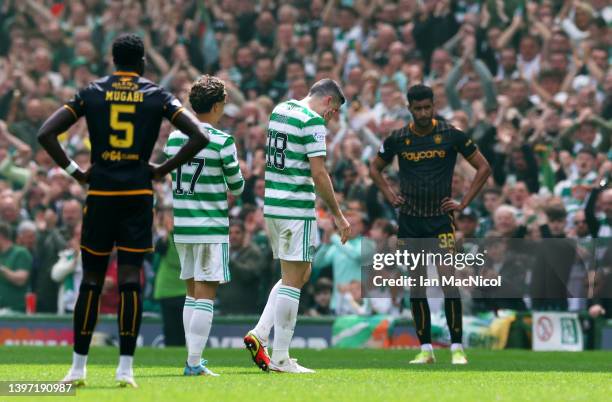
[(231, 168), (166, 151), (314, 132)]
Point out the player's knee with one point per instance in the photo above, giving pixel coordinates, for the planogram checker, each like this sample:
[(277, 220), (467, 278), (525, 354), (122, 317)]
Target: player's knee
[(295, 281), (190, 285), (94, 268), (295, 274), (128, 274), (93, 278), (128, 258), (205, 290), (130, 287), (451, 292), (85, 287), (307, 274), (129, 266), (418, 293)]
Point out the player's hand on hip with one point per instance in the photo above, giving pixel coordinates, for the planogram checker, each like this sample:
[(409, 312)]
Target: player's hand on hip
[(450, 205), (81, 177), (343, 226), (156, 174), (395, 199)]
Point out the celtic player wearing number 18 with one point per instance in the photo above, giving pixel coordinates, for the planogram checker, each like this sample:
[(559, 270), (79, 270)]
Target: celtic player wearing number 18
[(201, 223), (124, 112), (295, 167), (427, 151)]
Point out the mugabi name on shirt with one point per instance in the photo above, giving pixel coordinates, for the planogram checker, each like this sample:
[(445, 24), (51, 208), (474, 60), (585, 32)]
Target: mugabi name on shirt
[(123, 112)]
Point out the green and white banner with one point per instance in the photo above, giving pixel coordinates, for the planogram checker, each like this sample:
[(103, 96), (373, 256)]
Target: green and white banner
[(381, 331), (355, 331)]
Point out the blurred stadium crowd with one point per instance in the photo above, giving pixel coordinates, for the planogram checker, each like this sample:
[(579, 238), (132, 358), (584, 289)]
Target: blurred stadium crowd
[(530, 81)]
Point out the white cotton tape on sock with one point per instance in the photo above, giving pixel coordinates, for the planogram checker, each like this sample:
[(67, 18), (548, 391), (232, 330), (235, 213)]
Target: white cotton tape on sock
[(71, 168)]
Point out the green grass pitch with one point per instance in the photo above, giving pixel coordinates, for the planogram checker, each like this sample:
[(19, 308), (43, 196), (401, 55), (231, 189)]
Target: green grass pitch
[(342, 375)]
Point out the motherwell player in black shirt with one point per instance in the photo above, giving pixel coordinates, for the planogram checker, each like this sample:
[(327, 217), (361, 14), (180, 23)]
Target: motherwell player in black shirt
[(124, 113), (427, 152)]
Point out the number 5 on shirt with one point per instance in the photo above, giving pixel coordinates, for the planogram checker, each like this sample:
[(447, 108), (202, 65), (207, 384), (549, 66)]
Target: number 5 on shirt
[(127, 127)]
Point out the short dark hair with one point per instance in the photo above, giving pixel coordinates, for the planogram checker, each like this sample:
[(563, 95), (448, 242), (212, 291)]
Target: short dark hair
[(551, 74), (492, 190), (556, 212), (205, 92), (328, 87), (560, 32), (386, 226), (589, 150), (535, 39), (6, 231), (601, 48), (323, 284), (419, 92), (296, 60), (239, 223), (264, 57), (128, 50)]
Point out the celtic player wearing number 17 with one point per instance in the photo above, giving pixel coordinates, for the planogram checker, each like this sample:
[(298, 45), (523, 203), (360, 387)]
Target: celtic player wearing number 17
[(201, 224), (124, 112), (295, 167)]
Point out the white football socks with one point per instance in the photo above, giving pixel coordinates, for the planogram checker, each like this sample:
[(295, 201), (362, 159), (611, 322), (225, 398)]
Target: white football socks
[(285, 316), (78, 363), (266, 321), (456, 346), (426, 347), (187, 313), (199, 328), (125, 364)]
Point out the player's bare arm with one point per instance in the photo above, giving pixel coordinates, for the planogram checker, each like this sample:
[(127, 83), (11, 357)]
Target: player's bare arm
[(325, 189), (198, 139), (56, 124), (483, 171), (377, 166)]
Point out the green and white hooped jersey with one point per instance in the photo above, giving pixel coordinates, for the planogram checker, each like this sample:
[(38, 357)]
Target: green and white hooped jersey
[(295, 133), (199, 188)]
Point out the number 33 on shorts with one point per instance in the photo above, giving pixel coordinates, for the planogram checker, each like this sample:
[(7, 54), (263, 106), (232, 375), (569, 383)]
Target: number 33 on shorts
[(447, 241)]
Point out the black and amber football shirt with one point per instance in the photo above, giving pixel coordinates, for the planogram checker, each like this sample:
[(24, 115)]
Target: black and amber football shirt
[(426, 164), (124, 113)]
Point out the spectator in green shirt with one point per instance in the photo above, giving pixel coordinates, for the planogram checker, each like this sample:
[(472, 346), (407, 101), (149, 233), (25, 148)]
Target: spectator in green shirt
[(169, 288), (15, 266)]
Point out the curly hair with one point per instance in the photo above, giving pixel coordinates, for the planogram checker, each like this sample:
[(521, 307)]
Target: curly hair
[(128, 50), (205, 92)]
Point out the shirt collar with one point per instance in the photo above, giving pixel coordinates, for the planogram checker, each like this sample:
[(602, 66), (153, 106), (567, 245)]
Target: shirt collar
[(128, 73)]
